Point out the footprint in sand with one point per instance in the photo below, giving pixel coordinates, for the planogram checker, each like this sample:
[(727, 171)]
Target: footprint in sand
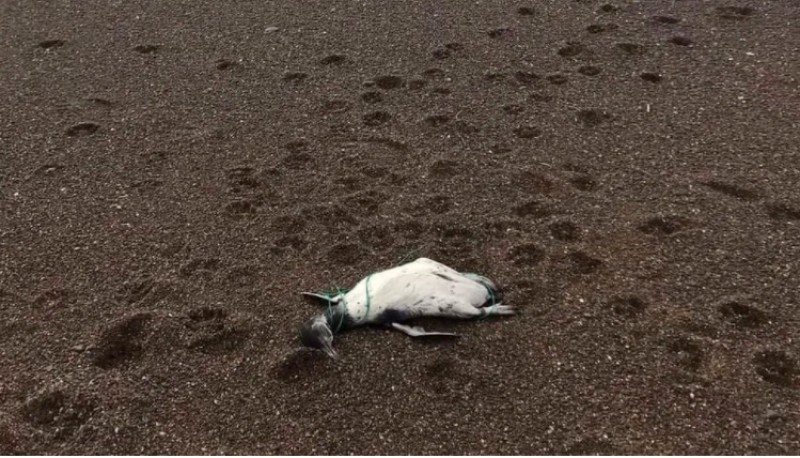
[(146, 49), (51, 44), (776, 366), (389, 82), (83, 129), (627, 306)]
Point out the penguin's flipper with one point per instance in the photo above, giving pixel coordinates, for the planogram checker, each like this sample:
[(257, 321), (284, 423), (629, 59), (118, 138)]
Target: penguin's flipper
[(417, 331), (320, 299)]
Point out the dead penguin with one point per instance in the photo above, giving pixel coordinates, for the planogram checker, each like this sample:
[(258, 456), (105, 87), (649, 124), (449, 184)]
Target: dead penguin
[(422, 288)]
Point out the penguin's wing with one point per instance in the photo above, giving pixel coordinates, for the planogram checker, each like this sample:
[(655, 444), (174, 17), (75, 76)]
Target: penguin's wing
[(417, 331)]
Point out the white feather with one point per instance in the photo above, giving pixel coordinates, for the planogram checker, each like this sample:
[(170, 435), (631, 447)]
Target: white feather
[(422, 288)]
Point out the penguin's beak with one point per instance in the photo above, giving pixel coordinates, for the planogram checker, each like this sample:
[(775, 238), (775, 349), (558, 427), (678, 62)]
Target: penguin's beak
[(328, 349)]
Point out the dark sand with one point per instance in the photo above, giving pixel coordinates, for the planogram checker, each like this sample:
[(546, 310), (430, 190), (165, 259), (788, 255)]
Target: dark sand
[(172, 173)]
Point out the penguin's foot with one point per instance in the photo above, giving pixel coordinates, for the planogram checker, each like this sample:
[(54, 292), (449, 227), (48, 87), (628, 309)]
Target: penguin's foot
[(417, 331), (499, 309)]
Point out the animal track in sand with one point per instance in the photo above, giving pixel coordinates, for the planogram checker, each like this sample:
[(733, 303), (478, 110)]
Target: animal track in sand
[(540, 97), (433, 73), (213, 332), (533, 182), (455, 232), (533, 208), (566, 231), (571, 49), (297, 146), (500, 33), (667, 20), (389, 82), (372, 97), (146, 49), (688, 353), (583, 182), (147, 184), (608, 8), (650, 77), (527, 132), (54, 298), (589, 70), (241, 179), (297, 159), (333, 59), (242, 276), (207, 314), (50, 44), (376, 237), (227, 65), (557, 79), (241, 208), (294, 242), (143, 291), (83, 129), (410, 229), (526, 78), (494, 76), (681, 40), (347, 253), (592, 117), (731, 190), (513, 109), (376, 118), (366, 203), (782, 211), (437, 120), (120, 343), (735, 12), (664, 225), (289, 224), (299, 366), (631, 49), (444, 168), (590, 446), (500, 148), (386, 142), (601, 28), (199, 265), (441, 53), (447, 50), (742, 315), (295, 77), (443, 368), (48, 170), (627, 306), (439, 204), (100, 101), (580, 263), (465, 127), (527, 255), (331, 216), (416, 84), (775, 366), (335, 106), (54, 407)]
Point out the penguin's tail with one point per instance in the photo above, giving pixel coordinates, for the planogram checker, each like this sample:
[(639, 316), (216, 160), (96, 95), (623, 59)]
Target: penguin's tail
[(497, 294)]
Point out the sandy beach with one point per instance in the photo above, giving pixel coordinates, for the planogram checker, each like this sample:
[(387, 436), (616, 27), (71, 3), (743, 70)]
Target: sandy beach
[(174, 173)]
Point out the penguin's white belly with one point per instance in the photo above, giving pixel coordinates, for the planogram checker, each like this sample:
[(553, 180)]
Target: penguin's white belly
[(421, 288)]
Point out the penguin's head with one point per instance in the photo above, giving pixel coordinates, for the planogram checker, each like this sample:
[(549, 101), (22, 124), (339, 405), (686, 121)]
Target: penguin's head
[(316, 333)]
